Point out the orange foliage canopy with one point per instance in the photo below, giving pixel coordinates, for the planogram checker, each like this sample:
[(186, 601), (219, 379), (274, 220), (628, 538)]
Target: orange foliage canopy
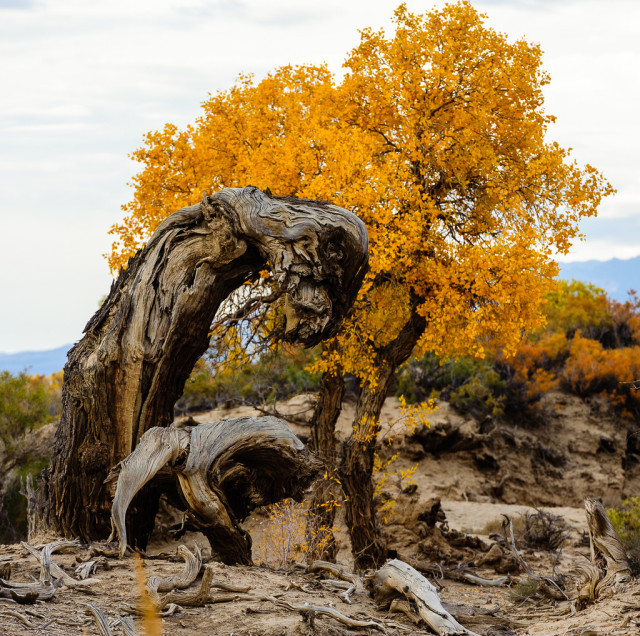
[(437, 137), (590, 344)]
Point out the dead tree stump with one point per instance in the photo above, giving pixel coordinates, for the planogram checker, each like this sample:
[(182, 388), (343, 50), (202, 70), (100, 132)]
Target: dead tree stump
[(609, 567)]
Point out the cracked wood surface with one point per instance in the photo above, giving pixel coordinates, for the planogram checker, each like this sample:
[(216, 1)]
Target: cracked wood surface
[(130, 367), (224, 470)]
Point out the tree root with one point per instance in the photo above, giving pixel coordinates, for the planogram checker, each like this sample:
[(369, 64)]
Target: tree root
[(310, 611), (341, 573)]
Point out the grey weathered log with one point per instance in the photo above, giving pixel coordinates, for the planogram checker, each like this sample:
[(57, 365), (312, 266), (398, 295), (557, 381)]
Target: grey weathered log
[(397, 579), (130, 367), (224, 470), (609, 567)]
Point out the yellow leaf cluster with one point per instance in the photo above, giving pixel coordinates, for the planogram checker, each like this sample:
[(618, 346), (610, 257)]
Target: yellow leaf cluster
[(436, 137)]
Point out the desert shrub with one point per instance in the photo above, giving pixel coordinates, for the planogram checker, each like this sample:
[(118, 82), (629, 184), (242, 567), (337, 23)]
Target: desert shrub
[(589, 345), (591, 369), (274, 376), (523, 590), (626, 522), (26, 402), (482, 394), (575, 306), (286, 535), (420, 378), (543, 530)]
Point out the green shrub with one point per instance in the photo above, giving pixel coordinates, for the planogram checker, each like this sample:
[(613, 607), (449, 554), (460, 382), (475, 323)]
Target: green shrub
[(13, 507), (482, 394), (470, 385), (420, 378), (626, 522), (26, 402), (275, 376)]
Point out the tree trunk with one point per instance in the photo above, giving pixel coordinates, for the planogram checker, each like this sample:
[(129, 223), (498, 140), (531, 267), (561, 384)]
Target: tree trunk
[(356, 468), (325, 415), (130, 367), (356, 471), (326, 491)]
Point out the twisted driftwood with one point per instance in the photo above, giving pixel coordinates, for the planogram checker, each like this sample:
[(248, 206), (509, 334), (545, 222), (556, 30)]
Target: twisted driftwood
[(224, 470), (397, 579), (129, 369), (45, 588), (609, 565)]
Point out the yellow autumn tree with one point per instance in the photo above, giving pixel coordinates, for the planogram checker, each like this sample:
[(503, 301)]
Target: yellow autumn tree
[(438, 139)]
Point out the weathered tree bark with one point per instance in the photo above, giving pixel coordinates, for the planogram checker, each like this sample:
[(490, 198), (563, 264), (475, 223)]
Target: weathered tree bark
[(356, 467), (326, 491), (225, 470), (130, 367), (609, 567)]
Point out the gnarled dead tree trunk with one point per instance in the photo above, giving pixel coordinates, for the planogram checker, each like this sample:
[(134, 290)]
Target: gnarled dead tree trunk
[(224, 470), (130, 367)]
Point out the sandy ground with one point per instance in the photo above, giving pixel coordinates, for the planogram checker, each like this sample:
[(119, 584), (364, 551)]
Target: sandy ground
[(474, 494)]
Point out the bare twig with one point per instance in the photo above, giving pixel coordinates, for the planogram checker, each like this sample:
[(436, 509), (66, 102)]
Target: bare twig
[(21, 617), (340, 572), (507, 526)]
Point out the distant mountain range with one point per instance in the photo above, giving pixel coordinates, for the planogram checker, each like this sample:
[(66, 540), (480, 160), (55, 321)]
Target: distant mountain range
[(615, 276), (35, 362)]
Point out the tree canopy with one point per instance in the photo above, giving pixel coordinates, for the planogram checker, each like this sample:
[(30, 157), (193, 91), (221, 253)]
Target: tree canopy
[(436, 137)]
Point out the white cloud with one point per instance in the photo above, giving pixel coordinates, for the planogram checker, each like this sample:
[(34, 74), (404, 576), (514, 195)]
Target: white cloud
[(83, 81)]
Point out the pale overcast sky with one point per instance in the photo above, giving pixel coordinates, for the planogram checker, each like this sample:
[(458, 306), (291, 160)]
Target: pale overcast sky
[(83, 81)]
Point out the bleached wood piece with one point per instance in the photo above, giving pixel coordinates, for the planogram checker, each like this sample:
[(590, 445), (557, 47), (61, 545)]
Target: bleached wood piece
[(128, 626), (101, 620), (50, 568), (605, 545), (396, 578), (192, 565), (157, 448)]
